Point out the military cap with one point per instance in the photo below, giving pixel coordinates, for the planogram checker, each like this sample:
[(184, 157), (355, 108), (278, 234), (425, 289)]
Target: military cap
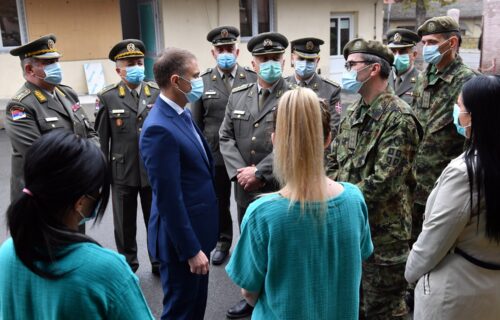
[(376, 48), (307, 47), (438, 25), (129, 48), (223, 35), (267, 42), (41, 48), (402, 38)]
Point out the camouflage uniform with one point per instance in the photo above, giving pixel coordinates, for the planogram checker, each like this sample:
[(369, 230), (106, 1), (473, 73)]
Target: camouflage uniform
[(375, 149), (435, 94)]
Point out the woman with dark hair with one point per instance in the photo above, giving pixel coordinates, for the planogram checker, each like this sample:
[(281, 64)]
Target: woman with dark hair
[(456, 258), (48, 269)]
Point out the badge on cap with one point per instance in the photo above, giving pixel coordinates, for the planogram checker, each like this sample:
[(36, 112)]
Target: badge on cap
[(131, 47), (309, 45), (397, 37), (431, 27), (357, 45), (267, 43), (50, 44), (224, 33)]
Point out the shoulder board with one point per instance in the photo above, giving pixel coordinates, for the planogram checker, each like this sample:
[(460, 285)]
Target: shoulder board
[(333, 83), (153, 85), (249, 69), (209, 70), (107, 88), (242, 87), (21, 94)]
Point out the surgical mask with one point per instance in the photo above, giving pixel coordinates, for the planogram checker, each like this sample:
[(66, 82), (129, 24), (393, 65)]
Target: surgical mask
[(135, 74), (350, 81), (226, 60), (270, 71), (432, 54), (305, 68), (196, 89), (456, 112), (93, 214), (53, 73), (401, 62)]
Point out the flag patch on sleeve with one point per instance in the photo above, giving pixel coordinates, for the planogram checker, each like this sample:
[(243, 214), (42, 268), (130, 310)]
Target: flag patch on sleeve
[(17, 113)]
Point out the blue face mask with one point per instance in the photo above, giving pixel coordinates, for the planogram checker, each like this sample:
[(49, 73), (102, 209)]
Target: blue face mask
[(305, 68), (350, 81), (401, 63), (270, 71), (432, 54), (135, 74), (53, 73), (226, 60), (93, 214), (456, 112), (196, 89)]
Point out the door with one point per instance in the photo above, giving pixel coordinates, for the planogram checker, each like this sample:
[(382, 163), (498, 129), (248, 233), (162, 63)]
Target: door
[(150, 32), (341, 32)]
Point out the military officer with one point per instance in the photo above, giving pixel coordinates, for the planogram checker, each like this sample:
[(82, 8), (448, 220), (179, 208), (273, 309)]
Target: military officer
[(41, 105), (375, 149), (208, 113), (402, 43), (435, 93), (305, 59), (245, 133), (123, 107)]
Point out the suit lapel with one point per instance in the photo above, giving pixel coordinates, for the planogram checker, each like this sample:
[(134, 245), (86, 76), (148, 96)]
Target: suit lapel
[(252, 102), (143, 99), (217, 82)]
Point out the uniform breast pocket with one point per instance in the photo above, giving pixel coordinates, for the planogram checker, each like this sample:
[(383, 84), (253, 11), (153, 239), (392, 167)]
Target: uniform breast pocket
[(269, 123), (241, 123), (210, 99), (50, 123), (120, 120)]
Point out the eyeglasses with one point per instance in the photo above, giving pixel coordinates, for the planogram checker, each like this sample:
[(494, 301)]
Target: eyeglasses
[(349, 64)]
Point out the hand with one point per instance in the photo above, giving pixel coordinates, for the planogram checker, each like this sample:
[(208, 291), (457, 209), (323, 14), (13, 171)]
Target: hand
[(253, 184), (199, 263), (244, 174)]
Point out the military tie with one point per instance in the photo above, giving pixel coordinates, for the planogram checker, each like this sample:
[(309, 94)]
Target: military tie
[(226, 78), (264, 93), (302, 84), (136, 96)]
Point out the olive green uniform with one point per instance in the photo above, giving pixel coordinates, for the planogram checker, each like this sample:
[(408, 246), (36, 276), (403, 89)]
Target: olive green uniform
[(375, 149), (406, 85), (33, 112), (119, 123)]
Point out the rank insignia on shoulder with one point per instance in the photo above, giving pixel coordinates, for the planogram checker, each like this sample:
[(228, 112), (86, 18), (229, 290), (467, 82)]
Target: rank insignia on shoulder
[(147, 91), (17, 113), (75, 107), (242, 87), (121, 91), (39, 95), (21, 95)]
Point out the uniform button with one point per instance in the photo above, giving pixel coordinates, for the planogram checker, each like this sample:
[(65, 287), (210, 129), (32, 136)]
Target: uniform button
[(253, 138), (252, 152), (140, 118), (140, 129), (113, 158)]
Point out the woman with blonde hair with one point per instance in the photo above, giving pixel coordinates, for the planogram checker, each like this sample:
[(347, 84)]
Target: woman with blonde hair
[(300, 251)]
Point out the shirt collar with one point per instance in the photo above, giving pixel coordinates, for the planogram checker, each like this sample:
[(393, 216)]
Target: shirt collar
[(172, 104), (233, 72), (306, 81), (271, 90)]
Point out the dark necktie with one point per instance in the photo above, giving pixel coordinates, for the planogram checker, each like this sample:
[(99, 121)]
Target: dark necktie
[(226, 78), (302, 84), (264, 93), (136, 96)]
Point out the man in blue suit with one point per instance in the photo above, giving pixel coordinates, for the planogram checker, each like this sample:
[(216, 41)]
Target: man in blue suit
[(183, 227)]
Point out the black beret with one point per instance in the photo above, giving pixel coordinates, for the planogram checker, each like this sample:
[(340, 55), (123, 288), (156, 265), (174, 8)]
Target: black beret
[(402, 38), (376, 48), (438, 25), (41, 48), (267, 42), (307, 47), (129, 48), (223, 35)]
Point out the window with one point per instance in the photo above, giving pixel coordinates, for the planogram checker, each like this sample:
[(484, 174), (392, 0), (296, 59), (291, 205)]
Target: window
[(256, 16), (340, 33), (11, 24)]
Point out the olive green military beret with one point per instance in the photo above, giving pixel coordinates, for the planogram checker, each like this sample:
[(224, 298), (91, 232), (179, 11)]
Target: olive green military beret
[(129, 48), (267, 42), (41, 48), (307, 47), (223, 35), (402, 38), (438, 25), (376, 48)]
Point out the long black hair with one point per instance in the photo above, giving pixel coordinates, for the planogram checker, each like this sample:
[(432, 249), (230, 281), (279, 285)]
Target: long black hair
[(59, 168), (481, 96)]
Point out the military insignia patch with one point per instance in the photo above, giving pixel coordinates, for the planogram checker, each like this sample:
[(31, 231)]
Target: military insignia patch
[(50, 44), (131, 47), (338, 108), (39, 95), (147, 91), (431, 27), (75, 107), (393, 156), (119, 122), (17, 113), (224, 33), (309, 45), (267, 43), (357, 45), (121, 91), (397, 37)]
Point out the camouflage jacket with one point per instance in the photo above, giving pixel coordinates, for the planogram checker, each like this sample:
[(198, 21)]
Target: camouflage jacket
[(433, 104), (375, 149)]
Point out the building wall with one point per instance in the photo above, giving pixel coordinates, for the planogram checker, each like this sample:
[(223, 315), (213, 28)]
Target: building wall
[(490, 59)]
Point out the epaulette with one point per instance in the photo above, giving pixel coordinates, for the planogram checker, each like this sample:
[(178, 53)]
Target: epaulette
[(153, 85), (209, 70), (107, 88), (335, 84), (242, 87), (21, 94), (249, 69)]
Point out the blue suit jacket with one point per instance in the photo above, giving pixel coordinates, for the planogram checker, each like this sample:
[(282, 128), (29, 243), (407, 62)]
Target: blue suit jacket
[(184, 212)]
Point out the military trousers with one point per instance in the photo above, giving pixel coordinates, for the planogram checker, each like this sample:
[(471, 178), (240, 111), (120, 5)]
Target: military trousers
[(223, 191), (125, 219)]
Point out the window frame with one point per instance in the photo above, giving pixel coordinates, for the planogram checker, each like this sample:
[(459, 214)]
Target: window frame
[(255, 19), (23, 30)]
